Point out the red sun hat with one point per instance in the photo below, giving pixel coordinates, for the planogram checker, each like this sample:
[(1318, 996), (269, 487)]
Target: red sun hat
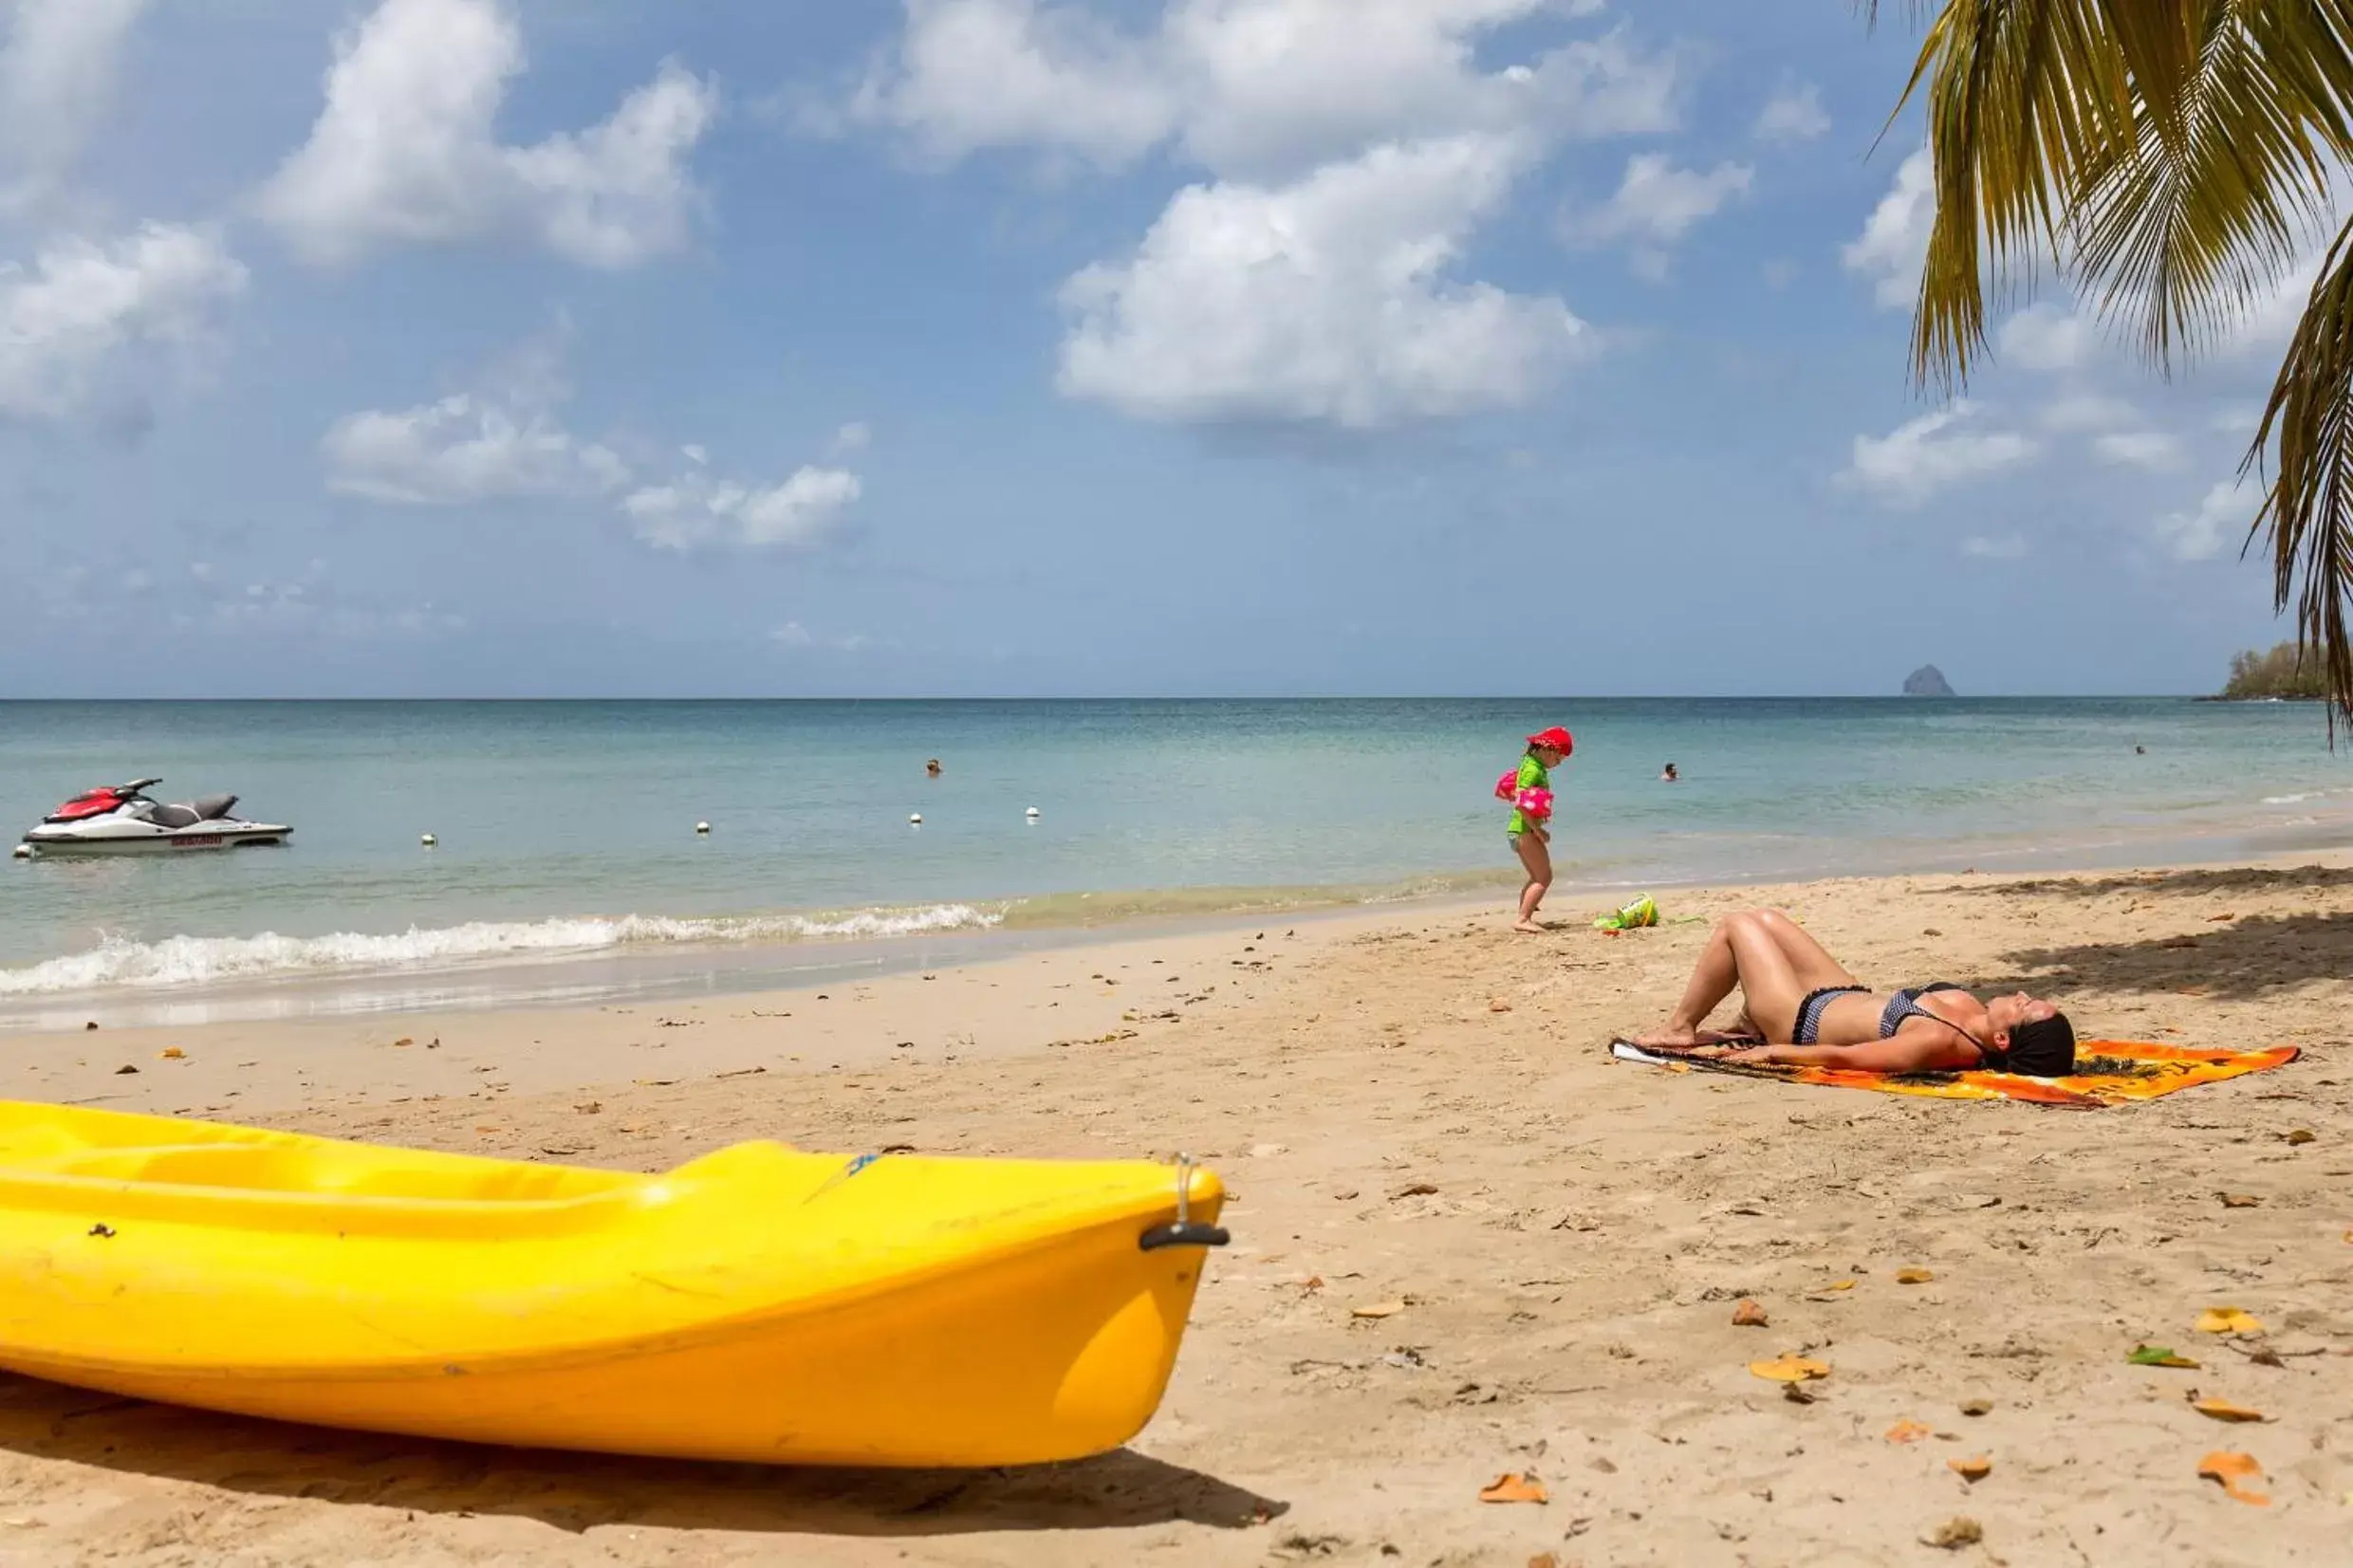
[(1556, 738)]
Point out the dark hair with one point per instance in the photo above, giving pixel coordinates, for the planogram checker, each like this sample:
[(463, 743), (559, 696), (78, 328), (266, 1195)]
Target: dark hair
[(2045, 1048)]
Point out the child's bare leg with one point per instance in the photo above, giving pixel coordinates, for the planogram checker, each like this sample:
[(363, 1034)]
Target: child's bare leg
[(1536, 858)]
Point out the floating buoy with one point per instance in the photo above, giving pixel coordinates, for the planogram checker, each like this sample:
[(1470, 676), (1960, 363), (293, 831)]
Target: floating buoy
[(914, 819), (702, 827), (22, 852), (427, 840), (1031, 814)]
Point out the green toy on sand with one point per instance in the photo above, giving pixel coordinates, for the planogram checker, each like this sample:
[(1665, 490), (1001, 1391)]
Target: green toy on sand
[(1643, 911)]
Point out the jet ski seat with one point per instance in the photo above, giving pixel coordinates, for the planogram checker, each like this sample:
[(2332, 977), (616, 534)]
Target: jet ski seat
[(210, 808), (174, 816)]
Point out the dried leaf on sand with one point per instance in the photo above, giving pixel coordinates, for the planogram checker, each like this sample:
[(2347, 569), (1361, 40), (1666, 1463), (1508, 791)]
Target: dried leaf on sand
[(2232, 1469), (2159, 1356), (1748, 1315), (1914, 1276), (1514, 1487), (2228, 1321), (1377, 1309), (1789, 1369), (2222, 1410), (1974, 1468), (1907, 1431)]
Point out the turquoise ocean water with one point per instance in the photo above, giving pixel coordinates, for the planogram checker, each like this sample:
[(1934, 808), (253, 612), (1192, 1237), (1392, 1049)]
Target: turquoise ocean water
[(568, 851)]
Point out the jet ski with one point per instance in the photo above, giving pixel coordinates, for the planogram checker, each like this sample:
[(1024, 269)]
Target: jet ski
[(121, 820)]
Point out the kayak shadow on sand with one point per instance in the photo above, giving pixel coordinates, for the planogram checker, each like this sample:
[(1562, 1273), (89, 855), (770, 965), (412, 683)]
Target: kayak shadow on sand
[(580, 1491)]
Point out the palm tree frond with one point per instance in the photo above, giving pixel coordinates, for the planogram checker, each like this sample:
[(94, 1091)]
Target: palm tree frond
[(2192, 221), (2155, 149), (2308, 424), (2020, 94)]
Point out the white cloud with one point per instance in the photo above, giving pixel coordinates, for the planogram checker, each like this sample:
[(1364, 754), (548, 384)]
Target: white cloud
[(1656, 205), (464, 449), (405, 151), (1275, 87), (2082, 411), (794, 635), (1794, 113), (1325, 300), (693, 510), (975, 74), (313, 609), (2224, 513), (2139, 449), (1910, 464), (2008, 546), (309, 604), (1260, 89), (2047, 338), (1353, 145), (78, 324), (499, 441), (503, 440), (57, 79), (1893, 246), (852, 436)]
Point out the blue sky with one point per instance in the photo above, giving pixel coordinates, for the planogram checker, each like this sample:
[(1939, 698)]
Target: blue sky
[(1041, 347)]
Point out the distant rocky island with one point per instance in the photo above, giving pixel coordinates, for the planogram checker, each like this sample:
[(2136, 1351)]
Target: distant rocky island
[(1927, 681), (2283, 673)]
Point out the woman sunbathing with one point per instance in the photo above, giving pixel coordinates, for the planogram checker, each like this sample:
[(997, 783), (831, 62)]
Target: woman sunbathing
[(1800, 1006)]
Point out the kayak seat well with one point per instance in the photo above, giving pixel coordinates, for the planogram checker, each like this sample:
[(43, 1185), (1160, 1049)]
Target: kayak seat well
[(295, 1169)]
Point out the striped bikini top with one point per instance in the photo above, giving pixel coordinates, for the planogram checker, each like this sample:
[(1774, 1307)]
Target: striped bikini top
[(1905, 1003)]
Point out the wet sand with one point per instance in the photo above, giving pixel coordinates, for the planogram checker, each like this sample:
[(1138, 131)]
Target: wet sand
[(1415, 1109)]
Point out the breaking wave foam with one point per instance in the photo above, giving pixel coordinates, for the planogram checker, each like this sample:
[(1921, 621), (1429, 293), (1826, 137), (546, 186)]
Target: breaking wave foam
[(201, 960)]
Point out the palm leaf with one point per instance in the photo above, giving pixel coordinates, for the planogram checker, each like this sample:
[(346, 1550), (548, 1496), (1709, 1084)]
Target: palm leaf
[(2171, 160), (2309, 510)]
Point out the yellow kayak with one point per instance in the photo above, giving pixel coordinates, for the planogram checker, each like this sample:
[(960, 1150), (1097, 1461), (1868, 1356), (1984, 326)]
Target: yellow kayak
[(759, 1304)]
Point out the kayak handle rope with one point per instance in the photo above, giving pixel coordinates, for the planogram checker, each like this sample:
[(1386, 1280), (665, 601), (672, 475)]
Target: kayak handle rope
[(1186, 1231)]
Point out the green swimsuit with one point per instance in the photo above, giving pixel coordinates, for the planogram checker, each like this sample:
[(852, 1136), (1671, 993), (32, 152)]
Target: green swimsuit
[(1533, 775)]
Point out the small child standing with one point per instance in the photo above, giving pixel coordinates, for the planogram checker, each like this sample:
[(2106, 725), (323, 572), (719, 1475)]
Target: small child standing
[(1529, 790)]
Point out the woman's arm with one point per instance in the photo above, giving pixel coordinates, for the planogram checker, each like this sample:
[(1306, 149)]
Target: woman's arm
[(1911, 1050)]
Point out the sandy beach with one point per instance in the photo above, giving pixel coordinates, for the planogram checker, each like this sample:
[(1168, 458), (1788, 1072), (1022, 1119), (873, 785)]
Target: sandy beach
[(1415, 1112)]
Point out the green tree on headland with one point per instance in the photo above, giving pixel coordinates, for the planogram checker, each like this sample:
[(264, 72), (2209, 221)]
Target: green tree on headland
[(2172, 161), (2285, 671)]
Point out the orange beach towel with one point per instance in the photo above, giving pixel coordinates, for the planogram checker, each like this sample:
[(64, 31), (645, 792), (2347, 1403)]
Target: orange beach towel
[(2107, 1070)]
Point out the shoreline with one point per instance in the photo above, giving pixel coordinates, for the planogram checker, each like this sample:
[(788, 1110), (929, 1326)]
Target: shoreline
[(1413, 1107), (658, 971)]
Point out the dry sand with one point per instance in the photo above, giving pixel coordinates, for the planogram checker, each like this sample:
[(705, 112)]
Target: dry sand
[(1414, 1107)]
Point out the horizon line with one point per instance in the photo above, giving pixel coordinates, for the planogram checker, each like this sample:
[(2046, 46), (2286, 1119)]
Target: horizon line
[(1207, 697)]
